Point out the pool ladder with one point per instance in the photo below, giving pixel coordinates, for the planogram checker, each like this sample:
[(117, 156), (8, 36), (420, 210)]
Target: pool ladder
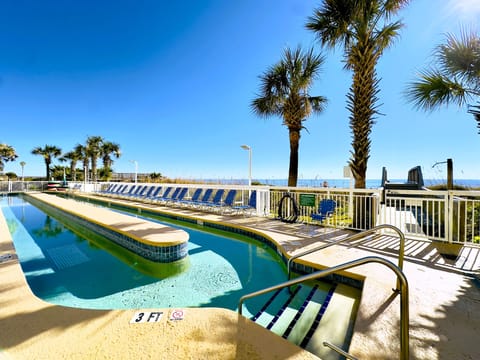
[(402, 285)]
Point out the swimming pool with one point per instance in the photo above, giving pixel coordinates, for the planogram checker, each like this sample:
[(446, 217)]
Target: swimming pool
[(68, 266)]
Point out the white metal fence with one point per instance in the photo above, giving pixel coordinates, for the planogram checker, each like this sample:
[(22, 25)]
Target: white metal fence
[(452, 216)]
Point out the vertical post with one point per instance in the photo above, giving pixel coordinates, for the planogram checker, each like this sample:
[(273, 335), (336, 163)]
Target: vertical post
[(246, 147), (449, 203), (136, 169), (449, 174)]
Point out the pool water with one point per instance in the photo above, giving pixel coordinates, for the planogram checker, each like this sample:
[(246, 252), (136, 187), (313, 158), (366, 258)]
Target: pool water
[(67, 266)]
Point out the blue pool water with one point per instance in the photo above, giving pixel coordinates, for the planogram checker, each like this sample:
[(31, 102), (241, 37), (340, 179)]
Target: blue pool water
[(68, 266)]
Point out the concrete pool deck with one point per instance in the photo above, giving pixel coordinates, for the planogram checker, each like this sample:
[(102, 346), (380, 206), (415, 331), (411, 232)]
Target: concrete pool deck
[(444, 308)]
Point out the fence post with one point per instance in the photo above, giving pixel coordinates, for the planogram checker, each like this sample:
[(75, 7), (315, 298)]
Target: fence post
[(449, 217)]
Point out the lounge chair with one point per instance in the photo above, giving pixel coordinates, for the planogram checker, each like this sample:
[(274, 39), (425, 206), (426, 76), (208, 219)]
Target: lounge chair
[(154, 195), (178, 196), (228, 203), (108, 189), (205, 198), (193, 199), (250, 207), (216, 201), (148, 193), (166, 195), (137, 192), (326, 208)]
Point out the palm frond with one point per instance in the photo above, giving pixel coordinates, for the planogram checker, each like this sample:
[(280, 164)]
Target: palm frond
[(460, 56), (434, 89)]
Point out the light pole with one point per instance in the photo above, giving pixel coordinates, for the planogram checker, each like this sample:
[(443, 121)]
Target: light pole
[(136, 169), (246, 147), (22, 164)]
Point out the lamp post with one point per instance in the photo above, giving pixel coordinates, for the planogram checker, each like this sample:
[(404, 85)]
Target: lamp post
[(246, 147), (136, 169), (22, 164)]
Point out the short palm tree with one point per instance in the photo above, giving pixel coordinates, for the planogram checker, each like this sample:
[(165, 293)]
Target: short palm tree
[(454, 80), (74, 156), (94, 151), (284, 92), (363, 29), (7, 153), (109, 149), (48, 152), (81, 150)]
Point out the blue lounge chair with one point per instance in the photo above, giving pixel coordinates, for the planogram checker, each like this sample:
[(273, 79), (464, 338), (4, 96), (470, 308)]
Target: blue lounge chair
[(178, 197), (118, 190), (148, 193), (216, 201), (165, 196), (195, 197), (154, 195), (143, 192), (137, 192), (250, 207), (227, 204), (205, 198), (326, 208), (108, 189)]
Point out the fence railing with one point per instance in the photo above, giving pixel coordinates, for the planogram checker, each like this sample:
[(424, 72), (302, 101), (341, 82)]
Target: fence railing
[(451, 216)]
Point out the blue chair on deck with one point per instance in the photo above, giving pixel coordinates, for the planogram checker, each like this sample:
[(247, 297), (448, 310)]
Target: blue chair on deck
[(166, 195), (205, 198), (326, 208), (154, 195), (193, 199), (216, 201), (148, 193), (227, 204), (251, 206), (178, 196), (137, 192)]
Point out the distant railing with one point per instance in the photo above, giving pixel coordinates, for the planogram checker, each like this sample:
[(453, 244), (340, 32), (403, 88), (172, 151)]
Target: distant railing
[(450, 216)]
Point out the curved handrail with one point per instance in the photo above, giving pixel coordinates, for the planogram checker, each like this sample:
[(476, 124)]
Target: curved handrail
[(401, 280), (351, 238)]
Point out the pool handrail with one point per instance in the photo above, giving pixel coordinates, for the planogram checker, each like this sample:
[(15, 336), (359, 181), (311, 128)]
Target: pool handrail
[(351, 238), (401, 281)]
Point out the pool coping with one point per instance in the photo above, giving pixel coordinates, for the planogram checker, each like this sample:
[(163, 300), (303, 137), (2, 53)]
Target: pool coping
[(219, 333)]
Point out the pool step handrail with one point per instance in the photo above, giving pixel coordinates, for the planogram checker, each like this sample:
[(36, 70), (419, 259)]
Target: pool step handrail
[(353, 238), (339, 350), (401, 283)]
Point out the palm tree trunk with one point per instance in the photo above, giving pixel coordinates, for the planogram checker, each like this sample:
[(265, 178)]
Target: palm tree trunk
[(47, 167), (293, 168), (361, 102)]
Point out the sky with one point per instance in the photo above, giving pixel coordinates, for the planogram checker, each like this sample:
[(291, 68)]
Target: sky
[(171, 82)]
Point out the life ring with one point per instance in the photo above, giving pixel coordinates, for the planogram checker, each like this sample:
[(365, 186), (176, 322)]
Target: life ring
[(288, 218)]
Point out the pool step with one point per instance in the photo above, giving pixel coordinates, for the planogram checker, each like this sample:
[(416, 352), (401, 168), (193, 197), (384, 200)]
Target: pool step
[(307, 316)]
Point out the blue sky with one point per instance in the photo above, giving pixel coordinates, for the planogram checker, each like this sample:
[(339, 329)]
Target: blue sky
[(171, 82)]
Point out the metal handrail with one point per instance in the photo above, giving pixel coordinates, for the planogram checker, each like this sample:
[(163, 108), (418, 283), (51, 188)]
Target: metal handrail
[(401, 280), (352, 238), (339, 350)]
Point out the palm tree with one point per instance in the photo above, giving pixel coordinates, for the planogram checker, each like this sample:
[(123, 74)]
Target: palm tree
[(7, 153), (455, 79), (74, 156), (108, 150), (361, 27), (284, 92), (81, 151), (94, 151), (49, 152)]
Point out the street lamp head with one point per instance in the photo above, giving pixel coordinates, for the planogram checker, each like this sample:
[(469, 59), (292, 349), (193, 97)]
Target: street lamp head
[(245, 147)]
